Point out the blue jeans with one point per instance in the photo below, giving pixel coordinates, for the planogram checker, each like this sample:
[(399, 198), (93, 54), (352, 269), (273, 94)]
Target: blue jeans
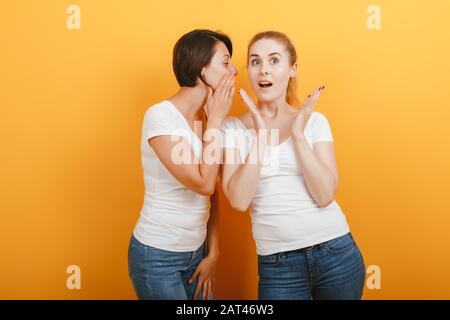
[(162, 275), (331, 270)]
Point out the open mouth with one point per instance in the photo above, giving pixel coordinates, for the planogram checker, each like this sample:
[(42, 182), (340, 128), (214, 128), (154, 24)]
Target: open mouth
[(265, 84)]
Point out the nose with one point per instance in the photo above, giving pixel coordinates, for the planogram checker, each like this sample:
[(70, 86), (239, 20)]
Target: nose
[(234, 70), (263, 70)]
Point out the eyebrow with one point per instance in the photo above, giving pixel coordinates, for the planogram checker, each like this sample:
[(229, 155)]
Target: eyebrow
[(273, 53)]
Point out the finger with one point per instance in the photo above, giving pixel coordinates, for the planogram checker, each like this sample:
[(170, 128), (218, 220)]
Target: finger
[(208, 291), (194, 276), (233, 83), (205, 288), (197, 289), (228, 85), (231, 92), (306, 101), (221, 83), (313, 96), (208, 295), (211, 292), (311, 99), (316, 97), (224, 88), (248, 101), (251, 106)]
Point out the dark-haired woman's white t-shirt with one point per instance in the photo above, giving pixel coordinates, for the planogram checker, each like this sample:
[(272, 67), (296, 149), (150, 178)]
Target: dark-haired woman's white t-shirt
[(173, 217), (283, 213)]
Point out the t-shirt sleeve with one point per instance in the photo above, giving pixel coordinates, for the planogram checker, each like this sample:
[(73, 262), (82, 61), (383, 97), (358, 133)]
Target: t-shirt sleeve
[(158, 121), (320, 129)]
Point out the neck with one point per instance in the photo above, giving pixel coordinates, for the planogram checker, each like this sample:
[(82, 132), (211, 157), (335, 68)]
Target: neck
[(190, 101), (273, 108)]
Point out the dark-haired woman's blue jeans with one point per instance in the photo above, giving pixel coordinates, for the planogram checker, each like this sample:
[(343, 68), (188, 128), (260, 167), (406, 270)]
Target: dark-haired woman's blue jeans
[(330, 270), (162, 275)]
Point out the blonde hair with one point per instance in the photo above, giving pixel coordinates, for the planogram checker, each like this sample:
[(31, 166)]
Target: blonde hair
[(291, 92)]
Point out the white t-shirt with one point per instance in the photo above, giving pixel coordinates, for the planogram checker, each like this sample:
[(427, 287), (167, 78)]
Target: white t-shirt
[(283, 213), (173, 217)]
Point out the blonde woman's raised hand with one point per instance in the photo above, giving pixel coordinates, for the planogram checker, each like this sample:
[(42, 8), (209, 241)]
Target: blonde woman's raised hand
[(300, 121), (258, 120)]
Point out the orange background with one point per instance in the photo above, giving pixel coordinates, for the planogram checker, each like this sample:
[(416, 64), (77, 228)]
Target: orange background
[(72, 104)]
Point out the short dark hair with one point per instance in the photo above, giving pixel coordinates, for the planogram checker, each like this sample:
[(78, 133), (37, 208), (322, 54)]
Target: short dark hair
[(193, 51)]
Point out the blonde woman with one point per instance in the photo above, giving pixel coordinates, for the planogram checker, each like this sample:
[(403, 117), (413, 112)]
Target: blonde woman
[(279, 161)]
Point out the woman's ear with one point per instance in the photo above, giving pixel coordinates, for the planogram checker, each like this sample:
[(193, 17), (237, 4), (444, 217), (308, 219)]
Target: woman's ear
[(293, 74), (202, 73), (202, 77)]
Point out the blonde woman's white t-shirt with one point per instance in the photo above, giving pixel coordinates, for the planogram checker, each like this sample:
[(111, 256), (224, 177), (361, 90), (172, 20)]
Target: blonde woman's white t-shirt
[(173, 217), (284, 215)]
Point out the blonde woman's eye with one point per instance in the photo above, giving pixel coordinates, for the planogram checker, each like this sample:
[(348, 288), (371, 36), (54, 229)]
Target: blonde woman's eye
[(274, 60), (254, 62)]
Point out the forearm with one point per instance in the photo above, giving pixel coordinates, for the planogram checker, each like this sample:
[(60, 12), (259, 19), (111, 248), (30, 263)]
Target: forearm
[(318, 177), (211, 155), (242, 185), (212, 242)]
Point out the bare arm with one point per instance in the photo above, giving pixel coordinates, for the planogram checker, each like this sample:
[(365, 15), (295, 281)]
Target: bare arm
[(200, 177), (239, 181), (212, 241), (319, 169), (205, 270), (318, 164)]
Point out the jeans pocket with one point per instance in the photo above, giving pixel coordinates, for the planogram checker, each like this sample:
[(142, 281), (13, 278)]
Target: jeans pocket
[(340, 244)]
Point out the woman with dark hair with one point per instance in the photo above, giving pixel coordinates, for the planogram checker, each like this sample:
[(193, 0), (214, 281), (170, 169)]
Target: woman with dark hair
[(279, 160), (174, 247)]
